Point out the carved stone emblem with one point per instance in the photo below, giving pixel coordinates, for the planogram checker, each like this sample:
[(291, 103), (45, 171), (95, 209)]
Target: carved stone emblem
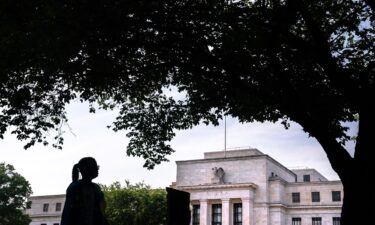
[(218, 175)]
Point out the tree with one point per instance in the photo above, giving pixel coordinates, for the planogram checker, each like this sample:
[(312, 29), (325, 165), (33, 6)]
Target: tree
[(135, 204), (14, 192), (311, 62)]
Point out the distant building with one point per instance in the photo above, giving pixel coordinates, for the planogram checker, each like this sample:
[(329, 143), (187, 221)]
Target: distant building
[(238, 187), (46, 210), (247, 187)]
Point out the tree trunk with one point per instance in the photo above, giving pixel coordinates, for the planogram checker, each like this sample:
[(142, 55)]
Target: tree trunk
[(358, 196), (356, 173)]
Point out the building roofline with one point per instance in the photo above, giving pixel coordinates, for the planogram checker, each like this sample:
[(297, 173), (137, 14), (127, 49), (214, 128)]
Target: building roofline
[(306, 169), (47, 196), (281, 165), (238, 158), (314, 183)]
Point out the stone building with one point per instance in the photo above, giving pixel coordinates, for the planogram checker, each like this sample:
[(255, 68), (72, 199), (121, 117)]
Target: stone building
[(238, 187), (46, 209), (247, 187)]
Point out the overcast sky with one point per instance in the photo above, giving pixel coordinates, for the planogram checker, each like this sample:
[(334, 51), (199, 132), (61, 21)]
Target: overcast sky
[(49, 170)]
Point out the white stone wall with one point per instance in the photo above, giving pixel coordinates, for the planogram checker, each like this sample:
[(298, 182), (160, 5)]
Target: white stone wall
[(52, 217), (46, 220), (305, 189), (307, 214), (237, 170), (271, 203), (276, 191), (277, 216), (276, 169)]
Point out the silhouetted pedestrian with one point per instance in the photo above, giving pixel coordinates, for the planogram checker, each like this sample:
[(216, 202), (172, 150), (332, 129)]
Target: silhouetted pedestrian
[(84, 204)]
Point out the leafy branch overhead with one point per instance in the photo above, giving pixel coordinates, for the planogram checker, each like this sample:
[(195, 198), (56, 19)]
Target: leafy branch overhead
[(311, 62)]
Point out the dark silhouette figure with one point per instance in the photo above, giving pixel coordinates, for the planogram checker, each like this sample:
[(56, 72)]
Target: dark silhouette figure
[(178, 204), (84, 203)]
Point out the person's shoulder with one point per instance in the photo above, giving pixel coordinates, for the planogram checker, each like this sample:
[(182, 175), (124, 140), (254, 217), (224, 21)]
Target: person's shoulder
[(97, 186), (98, 189), (73, 186)]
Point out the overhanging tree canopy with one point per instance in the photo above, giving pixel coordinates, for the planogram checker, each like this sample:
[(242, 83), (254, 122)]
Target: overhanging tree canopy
[(311, 62)]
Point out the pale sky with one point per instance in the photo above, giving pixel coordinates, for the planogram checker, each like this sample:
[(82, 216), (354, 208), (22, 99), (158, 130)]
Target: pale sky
[(49, 170)]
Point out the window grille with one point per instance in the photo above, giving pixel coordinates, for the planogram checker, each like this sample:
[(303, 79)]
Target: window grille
[(316, 221), (336, 220), (295, 197), (216, 214), (336, 196), (296, 221), (58, 207), (315, 196), (196, 214), (45, 207), (306, 178), (237, 214)]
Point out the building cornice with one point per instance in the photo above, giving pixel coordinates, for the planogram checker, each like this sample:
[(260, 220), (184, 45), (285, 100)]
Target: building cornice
[(304, 207), (47, 196), (45, 215), (314, 183), (218, 186)]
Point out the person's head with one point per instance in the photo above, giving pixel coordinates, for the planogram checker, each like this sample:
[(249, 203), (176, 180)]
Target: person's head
[(88, 168)]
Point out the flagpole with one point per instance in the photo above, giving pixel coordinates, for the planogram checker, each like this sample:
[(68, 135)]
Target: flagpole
[(225, 136)]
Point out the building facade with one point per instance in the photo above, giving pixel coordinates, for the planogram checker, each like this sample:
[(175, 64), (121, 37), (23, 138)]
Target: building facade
[(238, 187), (46, 210), (247, 187)]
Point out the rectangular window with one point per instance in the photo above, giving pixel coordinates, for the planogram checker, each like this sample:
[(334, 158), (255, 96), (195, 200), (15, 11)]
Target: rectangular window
[(317, 221), (45, 207), (315, 196), (336, 196), (196, 214), (237, 214), (336, 220), (306, 178), (295, 197), (296, 221), (216, 214), (58, 207)]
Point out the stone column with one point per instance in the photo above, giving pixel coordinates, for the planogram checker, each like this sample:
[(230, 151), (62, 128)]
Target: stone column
[(204, 211), (225, 212), (247, 211)]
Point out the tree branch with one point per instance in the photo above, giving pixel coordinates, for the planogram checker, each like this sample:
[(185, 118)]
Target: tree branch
[(371, 4), (321, 49)]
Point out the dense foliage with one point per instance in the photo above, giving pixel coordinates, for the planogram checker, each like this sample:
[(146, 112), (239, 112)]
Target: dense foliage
[(307, 61), (135, 204), (14, 192)]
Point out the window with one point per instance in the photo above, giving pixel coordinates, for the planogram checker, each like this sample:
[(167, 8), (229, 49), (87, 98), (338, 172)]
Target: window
[(306, 178), (336, 196), (317, 221), (336, 220), (237, 214), (315, 196), (58, 207), (196, 214), (296, 221), (216, 214), (295, 197), (45, 207)]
